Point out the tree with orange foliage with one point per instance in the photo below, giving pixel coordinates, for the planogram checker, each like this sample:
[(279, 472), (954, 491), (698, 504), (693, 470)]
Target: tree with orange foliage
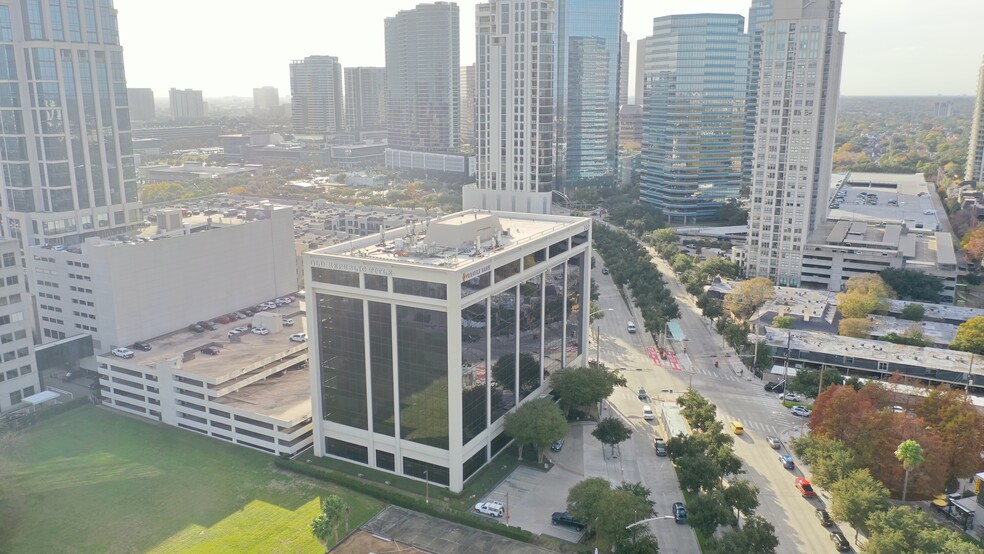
[(960, 427), (973, 245), (838, 414)]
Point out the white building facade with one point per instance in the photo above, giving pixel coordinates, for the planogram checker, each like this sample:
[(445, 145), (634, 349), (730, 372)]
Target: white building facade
[(514, 106), (799, 83), (425, 338), (975, 151), (18, 373)]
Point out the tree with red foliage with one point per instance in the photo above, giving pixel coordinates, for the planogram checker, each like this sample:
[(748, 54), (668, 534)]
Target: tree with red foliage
[(960, 428), (838, 414)]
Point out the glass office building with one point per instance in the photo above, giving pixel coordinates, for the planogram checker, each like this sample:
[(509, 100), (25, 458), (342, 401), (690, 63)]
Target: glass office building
[(66, 155), (587, 81), (422, 344), (694, 132)]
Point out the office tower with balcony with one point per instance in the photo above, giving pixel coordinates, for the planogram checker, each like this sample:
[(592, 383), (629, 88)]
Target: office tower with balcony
[(514, 115), (975, 153), (316, 96), (186, 104), (586, 84), (66, 158), (799, 83), (693, 114), (365, 98), (759, 12), (468, 104), (423, 78), (141, 101)]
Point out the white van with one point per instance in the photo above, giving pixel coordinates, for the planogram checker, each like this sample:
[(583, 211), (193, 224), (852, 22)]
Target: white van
[(632, 327), (647, 413)]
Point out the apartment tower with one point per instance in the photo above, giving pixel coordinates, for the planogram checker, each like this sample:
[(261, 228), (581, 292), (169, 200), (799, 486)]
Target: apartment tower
[(975, 154), (799, 82), (316, 96), (514, 100), (365, 98), (423, 78), (186, 104)]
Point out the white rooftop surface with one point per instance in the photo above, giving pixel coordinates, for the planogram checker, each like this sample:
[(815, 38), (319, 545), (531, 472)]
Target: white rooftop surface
[(941, 333), (428, 243), (903, 189), (939, 311), (233, 356), (934, 358), (805, 303)]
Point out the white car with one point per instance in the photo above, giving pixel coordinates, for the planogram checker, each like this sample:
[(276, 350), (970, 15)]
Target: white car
[(299, 337), (287, 322), (281, 301), (269, 305), (261, 331), (124, 353), (494, 509), (790, 396), (801, 411), (237, 331)]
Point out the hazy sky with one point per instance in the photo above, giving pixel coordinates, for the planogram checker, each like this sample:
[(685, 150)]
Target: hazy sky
[(227, 47)]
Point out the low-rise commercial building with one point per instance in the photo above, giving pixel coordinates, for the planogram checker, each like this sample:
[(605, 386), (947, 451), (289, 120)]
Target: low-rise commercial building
[(193, 171), (462, 165), (425, 337)]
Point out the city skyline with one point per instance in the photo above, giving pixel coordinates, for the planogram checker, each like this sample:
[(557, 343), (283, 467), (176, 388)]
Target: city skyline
[(870, 67)]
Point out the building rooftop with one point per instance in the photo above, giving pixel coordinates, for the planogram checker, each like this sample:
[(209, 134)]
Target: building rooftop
[(285, 396), (236, 353), (810, 341), (939, 333), (938, 312), (453, 241), (884, 198)]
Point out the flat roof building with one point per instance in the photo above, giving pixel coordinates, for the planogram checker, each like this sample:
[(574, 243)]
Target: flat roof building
[(186, 104), (254, 392), (18, 371), (426, 336)]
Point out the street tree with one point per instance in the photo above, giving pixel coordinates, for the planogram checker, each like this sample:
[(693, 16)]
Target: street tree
[(757, 535), (742, 497), (717, 266), (326, 523), (708, 511), (913, 312), (856, 497), (830, 460), (748, 296), (697, 410), (642, 541), (733, 333), (580, 387), (809, 381), (637, 489), (839, 412), (911, 284), (698, 473), (763, 356), (970, 336), (537, 423), (710, 307), (612, 431), (617, 509), (584, 497), (856, 327), (910, 453), (960, 427), (681, 263), (907, 529)]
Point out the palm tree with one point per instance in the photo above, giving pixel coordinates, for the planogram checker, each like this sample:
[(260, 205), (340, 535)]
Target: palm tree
[(325, 524), (910, 453)]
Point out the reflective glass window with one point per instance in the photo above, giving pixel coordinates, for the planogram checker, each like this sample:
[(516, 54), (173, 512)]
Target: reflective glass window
[(343, 360), (507, 270), (474, 371), (575, 271), (376, 282), (531, 331), (385, 460), (422, 354), (475, 284), (424, 470), (415, 287), (502, 326), (381, 368), (473, 464), (335, 276), (553, 320), (347, 450)]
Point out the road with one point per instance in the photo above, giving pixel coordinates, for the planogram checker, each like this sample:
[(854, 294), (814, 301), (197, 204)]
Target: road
[(737, 395)]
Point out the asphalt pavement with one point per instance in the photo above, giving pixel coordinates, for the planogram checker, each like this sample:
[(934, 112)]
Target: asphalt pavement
[(736, 393)]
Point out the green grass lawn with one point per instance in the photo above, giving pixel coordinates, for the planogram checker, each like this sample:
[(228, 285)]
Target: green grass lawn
[(93, 481)]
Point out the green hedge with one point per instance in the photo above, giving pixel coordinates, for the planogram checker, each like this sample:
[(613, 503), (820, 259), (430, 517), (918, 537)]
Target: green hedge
[(396, 498), (45, 413)]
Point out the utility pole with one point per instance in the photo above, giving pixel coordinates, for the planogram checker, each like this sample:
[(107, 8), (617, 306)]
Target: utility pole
[(820, 388), (785, 365)]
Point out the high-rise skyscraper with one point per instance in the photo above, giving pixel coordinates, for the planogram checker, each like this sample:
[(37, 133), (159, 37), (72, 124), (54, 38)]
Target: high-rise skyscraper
[(186, 104), (468, 104), (266, 101), (641, 61), (66, 154), (759, 12), (623, 71), (589, 40), (365, 98), (141, 101), (515, 111), (975, 154), (316, 96), (799, 83), (422, 78), (693, 114)]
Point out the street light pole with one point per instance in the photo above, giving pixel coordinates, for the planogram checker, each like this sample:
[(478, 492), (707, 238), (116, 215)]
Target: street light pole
[(598, 335), (426, 487)]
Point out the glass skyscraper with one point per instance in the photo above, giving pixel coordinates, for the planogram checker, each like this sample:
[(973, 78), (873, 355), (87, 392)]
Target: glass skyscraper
[(423, 79), (66, 157), (694, 132), (316, 96), (587, 85), (758, 13)]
